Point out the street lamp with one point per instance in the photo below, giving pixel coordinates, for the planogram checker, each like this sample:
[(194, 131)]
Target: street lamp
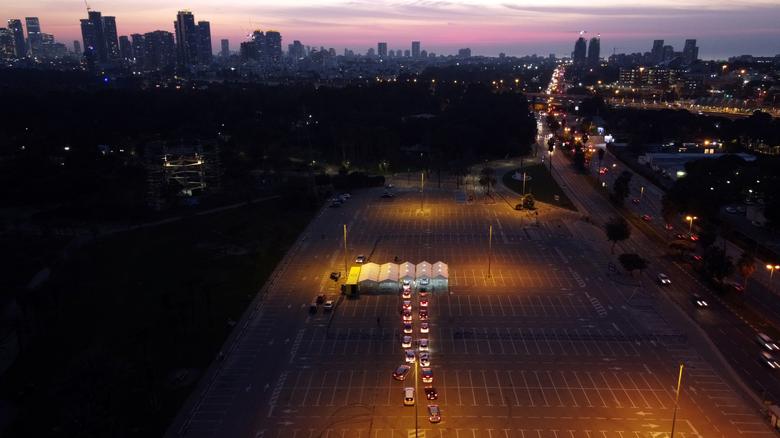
[(772, 270), (676, 400), (690, 220), (422, 187), (490, 247)]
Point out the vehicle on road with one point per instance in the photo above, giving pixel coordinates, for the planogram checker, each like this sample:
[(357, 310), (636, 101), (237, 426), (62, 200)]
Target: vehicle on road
[(434, 414), (410, 356), (693, 237), (387, 195), (407, 316), (697, 258), (736, 287), (430, 393), (406, 342), (664, 280), (407, 305), (401, 372), (360, 259), (408, 396), (699, 302), (647, 217), (766, 342), (769, 360), (680, 236), (635, 200), (424, 327), (423, 315), (335, 275), (406, 294), (320, 298), (345, 196), (328, 306), (424, 282), (423, 344), (731, 210), (669, 227), (423, 302), (408, 328), (425, 359), (603, 171), (427, 374)]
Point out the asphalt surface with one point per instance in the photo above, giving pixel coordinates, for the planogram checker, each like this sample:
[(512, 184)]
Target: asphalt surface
[(542, 345)]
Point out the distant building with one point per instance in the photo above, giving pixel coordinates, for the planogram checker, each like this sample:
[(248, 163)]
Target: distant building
[(273, 43), (159, 50), (464, 53), (657, 52), (415, 49), (690, 52), (112, 42), (77, 48), (296, 50), (89, 37), (34, 39), (579, 55), (20, 47), (186, 39), (205, 53), (407, 53), (137, 43), (224, 48), (594, 51), (7, 50), (668, 53), (381, 50), (423, 53), (125, 48)]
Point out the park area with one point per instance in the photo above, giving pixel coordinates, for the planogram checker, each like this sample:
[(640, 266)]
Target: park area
[(540, 184)]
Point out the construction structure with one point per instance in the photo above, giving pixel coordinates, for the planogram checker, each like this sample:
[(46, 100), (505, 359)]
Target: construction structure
[(388, 277), (180, 172)]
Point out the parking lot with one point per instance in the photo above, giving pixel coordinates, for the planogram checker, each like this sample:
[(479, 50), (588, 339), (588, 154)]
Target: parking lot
[(544, 346)]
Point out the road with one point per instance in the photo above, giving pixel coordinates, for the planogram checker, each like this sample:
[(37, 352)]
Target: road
[(545, 346)]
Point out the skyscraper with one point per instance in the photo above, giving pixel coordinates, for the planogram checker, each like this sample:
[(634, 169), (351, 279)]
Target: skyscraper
[(89, 38), (125, 48), (273, 44), (109, 33), (77, 48), (381, 50), (415, 49), (594, 50), (33, 35), (225, 51), (205, 53), (94, 37), (297, 51), (580, 50), (159, 50), (690, 52), (657, 52), (7, 50), (186, 38), (668, 53), (20, 48), (137, 43)]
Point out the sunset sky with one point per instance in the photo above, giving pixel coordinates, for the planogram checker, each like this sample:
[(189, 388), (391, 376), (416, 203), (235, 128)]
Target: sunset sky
[(723, 28)]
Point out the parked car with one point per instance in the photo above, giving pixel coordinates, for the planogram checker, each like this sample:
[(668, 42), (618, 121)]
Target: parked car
[(335, 275), (360, 259), (328, 306), (664, 280), (434, 414), (401, 372)]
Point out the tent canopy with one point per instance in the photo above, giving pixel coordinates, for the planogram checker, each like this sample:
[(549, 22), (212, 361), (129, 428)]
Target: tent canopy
[(406, 271), (423, 270), (440, 270), (388, 272), (369, 272)]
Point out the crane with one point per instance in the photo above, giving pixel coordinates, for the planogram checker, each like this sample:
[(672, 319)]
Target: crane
[(87, 5)]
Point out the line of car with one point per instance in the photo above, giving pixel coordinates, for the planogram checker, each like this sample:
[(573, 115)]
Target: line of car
[(421, 353), (336, 201)]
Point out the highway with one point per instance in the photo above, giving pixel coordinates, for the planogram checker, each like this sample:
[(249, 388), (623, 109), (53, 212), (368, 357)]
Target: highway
[(544, 345)]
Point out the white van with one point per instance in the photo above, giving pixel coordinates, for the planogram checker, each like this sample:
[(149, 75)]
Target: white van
[(409, 396)]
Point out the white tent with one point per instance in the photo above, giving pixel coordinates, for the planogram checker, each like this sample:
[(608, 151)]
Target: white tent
[(388, 277), (422, 274), (406, 271), (440, 276), (369, 277)]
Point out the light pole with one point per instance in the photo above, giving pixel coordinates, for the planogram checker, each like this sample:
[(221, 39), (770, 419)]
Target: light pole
[(551, 155), (490, 247), (690, 220), (523, 183), (422, 187), (676, 400), (641, 193), (346, 272), (416, 395), (772, 270)]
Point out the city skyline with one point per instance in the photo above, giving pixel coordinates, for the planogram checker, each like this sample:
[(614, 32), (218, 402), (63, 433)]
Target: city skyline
[(722, 29)]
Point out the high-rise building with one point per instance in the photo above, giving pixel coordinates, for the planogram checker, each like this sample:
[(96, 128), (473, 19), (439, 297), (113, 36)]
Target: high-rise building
[(33, 35), (89, 37), (125, 48), (594, 51), (273, 44), (109, 33), (407, 53), (94, 38), (20, 48), (205, 53), (579, 54), (225, 48), (159, 50), (137, 43), (77, 48), (690, 52), (657, 52), (254, 49), (423, 53), (415, 49), (186, 38), (668, 53), (464, 53), (381, 50), (7, 50), (297, 50)]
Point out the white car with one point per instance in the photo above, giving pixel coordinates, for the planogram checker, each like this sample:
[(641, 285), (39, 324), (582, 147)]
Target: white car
[(406, 342), (664, 280), (424, 327), (408, 328), (407, 316), (425, 359), (410, 356), (769, 360), (407, 305), (408, 396), (766, 342), (406, 294), (328, 306), (360, 259), (423, 344)]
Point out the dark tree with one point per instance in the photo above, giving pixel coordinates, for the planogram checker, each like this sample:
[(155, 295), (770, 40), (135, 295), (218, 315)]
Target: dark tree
[(487, 178), (620, 188), (717, 264), (617, 230), (528, 202), (746, 266), (632, 262)]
